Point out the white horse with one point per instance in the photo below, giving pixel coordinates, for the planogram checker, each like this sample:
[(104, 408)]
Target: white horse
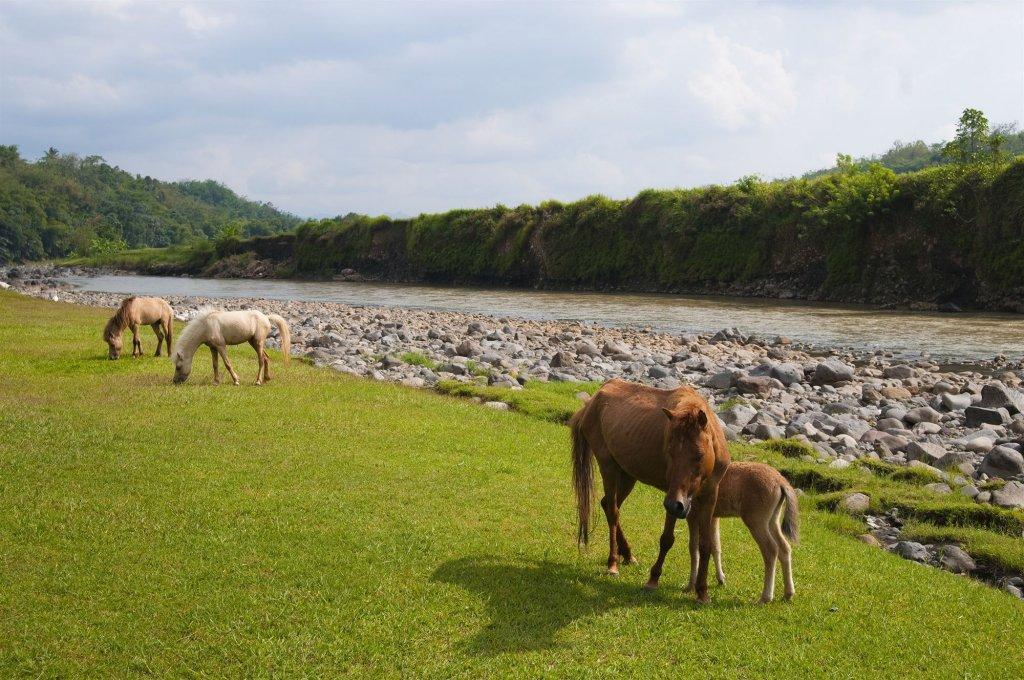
[(217, 329)]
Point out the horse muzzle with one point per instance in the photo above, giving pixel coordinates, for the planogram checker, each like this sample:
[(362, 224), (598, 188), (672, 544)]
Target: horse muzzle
[(677, 508)]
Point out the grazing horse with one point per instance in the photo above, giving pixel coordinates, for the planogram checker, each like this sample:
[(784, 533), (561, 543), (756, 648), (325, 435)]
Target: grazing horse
[(669, 439), (135, 312), (217, 330), (767, 503)]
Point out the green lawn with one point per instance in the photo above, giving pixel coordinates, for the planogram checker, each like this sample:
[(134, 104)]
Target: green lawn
[(324, 525)]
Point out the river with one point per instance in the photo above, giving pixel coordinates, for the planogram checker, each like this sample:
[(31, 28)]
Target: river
[(950, 336)]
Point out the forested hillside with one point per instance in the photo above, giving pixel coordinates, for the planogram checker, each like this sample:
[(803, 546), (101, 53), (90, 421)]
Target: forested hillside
[(64, 204)]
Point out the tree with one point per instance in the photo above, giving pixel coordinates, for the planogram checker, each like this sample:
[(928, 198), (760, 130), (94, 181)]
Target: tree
[(972, 143)]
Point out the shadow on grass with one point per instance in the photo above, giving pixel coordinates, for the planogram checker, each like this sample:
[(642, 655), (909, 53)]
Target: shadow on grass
[(529, 602)]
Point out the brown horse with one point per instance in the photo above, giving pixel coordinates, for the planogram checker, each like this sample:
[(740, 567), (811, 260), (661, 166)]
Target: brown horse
[(669, 439), (135, 312), (767, 504)]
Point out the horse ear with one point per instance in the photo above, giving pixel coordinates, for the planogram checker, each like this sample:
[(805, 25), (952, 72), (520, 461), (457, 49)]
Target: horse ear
[(668, 414), (702, 419)]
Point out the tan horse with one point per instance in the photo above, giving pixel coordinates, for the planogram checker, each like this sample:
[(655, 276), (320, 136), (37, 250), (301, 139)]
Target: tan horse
[(217, 330), (135, 312), (669, 439), (767, 503)]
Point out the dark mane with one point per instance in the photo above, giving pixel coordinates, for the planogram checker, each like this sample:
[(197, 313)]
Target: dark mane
[(119, 321)]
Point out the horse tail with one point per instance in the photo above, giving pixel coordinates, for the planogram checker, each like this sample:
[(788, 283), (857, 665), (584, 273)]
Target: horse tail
[(791, 518), (582, 476), (286, 336)]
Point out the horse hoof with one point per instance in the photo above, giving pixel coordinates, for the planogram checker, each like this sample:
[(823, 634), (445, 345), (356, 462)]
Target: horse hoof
[(688, 589), (704, 600), (764, 600), (788, 597), (612, 571), (721, 581), (631, 560), (651, 585)]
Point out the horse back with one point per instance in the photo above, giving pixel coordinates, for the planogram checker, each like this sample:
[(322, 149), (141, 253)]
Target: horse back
[(749, 489)]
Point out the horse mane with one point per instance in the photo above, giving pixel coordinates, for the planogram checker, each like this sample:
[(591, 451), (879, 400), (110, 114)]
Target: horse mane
[(119, 321), (194, 326)]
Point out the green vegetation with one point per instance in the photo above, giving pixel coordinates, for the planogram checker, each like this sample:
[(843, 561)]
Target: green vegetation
[(324, 525), (418, 359), (551, 401), (947, 233), (63, 204)]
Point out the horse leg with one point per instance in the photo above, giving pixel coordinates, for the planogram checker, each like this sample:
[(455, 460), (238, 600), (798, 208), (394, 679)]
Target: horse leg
[(694, 557), (705, 510), (136, 343), (762, 534), (622, 491), (610, 477), (223, 351), (785, 554), (159, 331), (717, 553), (668, 537), (216, 369), (255, 344), (266, 366), (168, 331)]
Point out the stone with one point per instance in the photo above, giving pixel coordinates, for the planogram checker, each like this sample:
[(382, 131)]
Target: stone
[(870, 540), (924, 414), (954, 559), (832, 371), (925, 451), (658, 372), (413, 382), (766, 431), (586, 348), (955, 402), (497, 405), (978, 415), (761, 385), (899, 372), (1002, 461), (912, 550), (720, 381), (561, 360), (895, 392), (983, 496), (1010, 496), (998, 395), (939, 488), (738, 415), (787, 374), (467, 348), (970, 491), (855, 503), (611, 348)]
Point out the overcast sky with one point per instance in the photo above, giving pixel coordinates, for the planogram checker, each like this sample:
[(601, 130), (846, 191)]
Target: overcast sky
[(328, 107)]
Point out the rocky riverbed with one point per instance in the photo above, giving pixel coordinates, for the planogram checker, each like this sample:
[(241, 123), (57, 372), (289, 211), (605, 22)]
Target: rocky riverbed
[(964, 423)]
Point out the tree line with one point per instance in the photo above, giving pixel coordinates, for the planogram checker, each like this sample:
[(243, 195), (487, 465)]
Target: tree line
[(64, 204)]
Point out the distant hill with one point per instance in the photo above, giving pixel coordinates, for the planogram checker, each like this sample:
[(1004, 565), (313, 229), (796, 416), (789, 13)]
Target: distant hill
[(63, 204), (913, 156)]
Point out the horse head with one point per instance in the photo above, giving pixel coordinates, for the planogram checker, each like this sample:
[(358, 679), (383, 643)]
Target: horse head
[(182, 365), (689, 446)]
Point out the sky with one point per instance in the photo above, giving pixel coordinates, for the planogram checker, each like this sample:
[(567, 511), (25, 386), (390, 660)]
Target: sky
[(325, 108)]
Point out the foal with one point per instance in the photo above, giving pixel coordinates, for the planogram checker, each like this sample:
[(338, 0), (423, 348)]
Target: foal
[(767, 504)]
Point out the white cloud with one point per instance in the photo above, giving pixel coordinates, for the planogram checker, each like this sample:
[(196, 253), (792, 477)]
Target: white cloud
[(323, 108)]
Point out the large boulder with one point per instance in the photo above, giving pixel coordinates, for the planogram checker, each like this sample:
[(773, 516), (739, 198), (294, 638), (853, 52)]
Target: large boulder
[(855, 503), (925, 451), (953, 559), (978, 415), (1002, 461), (998, 395), (955, 402), (787, 374), (912, 550), (832, 371), (737, 416), (1010, 496)]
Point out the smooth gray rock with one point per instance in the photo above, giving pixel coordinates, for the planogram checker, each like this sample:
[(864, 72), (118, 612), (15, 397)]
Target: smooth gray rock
[(737, 416), (998, 395), (1010, 496), (721, 381), (832, 371), (924, 414), (1003, 462), (658, 372), (925, 451), (955, 402), (787, 374), (911, 550), (953, 559), (855, 503), (761, 385), (899, 371)]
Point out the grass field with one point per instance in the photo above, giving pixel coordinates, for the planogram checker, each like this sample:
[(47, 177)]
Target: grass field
[(324, 525)]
